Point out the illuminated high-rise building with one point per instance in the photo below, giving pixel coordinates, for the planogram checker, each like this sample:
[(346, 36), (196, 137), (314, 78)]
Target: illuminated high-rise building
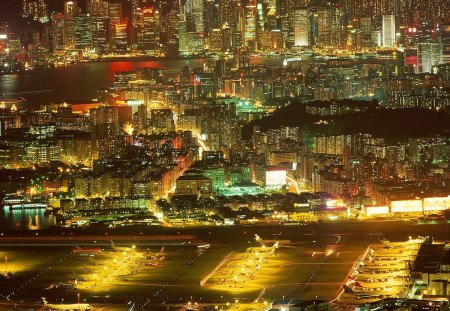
[(83, 32), (388, 27), (429, 55), (191, 12), (250, 25), (150, 37), (100, 27), (329, 29), (169, 33), (136, 23), (121, 36), (285, 12), (115, 17), (365, 32), (445, 39), (35, 9), (271, 16), (229, 13), (197, 13), (97, 7), (210, 17), (58, 32), (260, 19), (70, 12), (301, 27)]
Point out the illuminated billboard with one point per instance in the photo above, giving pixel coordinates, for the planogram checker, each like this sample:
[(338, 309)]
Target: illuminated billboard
[(377, 210), (436, 203), (335, 203), (275, 177), (406, 206)]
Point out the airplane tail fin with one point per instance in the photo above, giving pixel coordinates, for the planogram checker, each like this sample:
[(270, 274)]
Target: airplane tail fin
[(257, 238), (44, 301), (162, 250), (347, 289), (112, 244)]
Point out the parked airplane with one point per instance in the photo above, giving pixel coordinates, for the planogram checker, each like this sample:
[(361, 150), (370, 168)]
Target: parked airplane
[(266, 242), (86, 250), (121, 248), (157, 256), (363, 295), (65, 306)]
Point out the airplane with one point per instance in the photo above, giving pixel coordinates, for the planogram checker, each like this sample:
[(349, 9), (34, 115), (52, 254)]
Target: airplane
[(121, 248), (377, 277), (384, 264), (203, 246), (372, 284), (365, 295), (6, 275), (86, 251), (66, 307), (157, 256), (266, 242), (381, 270), (63, 285)]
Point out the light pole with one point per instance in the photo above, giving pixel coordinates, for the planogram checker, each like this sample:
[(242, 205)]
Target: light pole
[(78, 295)]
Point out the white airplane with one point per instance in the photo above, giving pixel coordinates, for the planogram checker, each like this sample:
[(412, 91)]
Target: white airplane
[(66, 307), (121, 248), (368, 294), (157, 256), (266, 242), (373, 285), (377, 278)]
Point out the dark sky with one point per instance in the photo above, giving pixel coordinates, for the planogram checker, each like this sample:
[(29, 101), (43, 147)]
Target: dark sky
[(10, 10)]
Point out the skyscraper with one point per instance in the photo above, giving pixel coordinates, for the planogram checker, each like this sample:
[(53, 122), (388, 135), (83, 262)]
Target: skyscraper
[(115, 17), (70, 12), (97, 7), (365, 32), (121, 36), (428, 56), (83, 32), (100, 33), (250, 25), (445, 39), (329, 33), (301, 27), (388, 31), (58, 32), (150, 38)]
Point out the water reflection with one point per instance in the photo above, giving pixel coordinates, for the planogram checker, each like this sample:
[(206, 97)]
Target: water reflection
[(82, 81), (26, 219)]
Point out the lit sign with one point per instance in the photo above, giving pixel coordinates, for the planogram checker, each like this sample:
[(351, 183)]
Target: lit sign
[(377, 210), (3, 36), (135, 102), (436, 203), (335, 203), (148, 10), (406, 206), (275, 177)]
